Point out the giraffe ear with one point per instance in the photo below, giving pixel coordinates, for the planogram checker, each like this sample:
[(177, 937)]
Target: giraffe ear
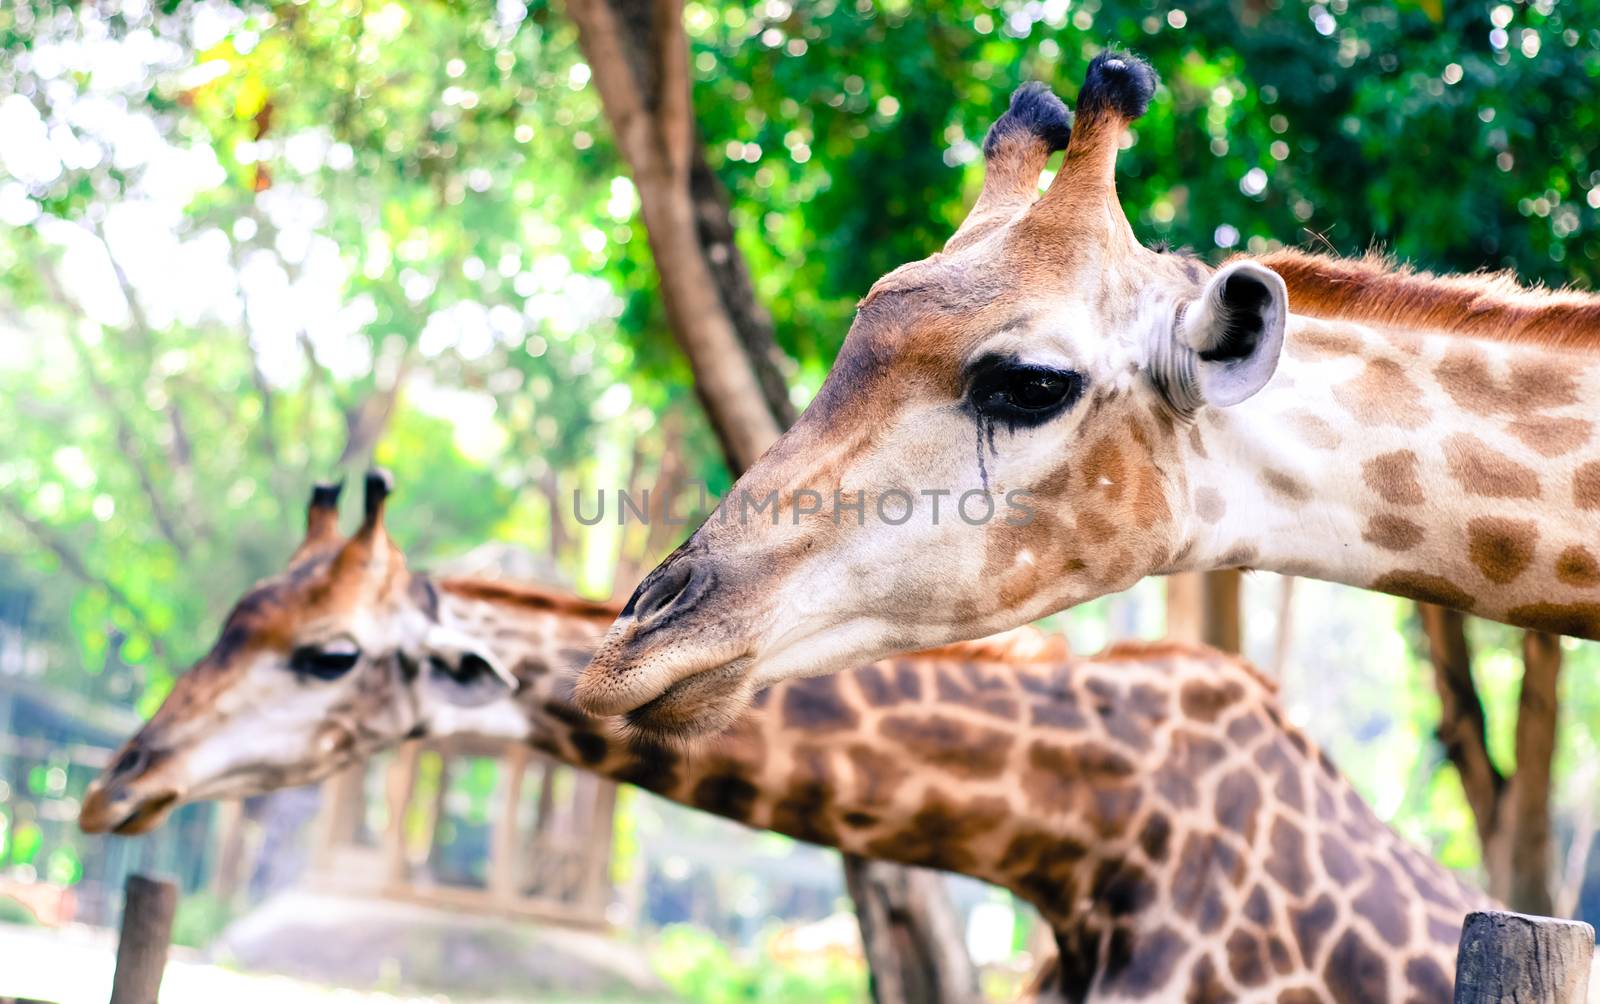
[(1235, 333), (462, 672)]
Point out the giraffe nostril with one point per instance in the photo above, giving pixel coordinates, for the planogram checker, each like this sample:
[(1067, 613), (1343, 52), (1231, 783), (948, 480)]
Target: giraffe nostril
[(130, 762), (676, 584)]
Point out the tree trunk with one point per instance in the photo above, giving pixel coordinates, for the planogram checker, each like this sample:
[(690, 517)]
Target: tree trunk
[(1185, 607), (1203, 608), (1463, 728), (1224, 627), (1512, 814), (1527, 802), (913, 958), (638, 53)]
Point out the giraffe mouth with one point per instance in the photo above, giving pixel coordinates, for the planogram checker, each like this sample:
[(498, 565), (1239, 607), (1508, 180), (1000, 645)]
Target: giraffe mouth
[(147, 815), (702, 704), (101, 814)]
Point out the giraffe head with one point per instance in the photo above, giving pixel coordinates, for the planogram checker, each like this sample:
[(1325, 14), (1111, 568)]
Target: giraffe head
[(315, 668), (1006, 415)]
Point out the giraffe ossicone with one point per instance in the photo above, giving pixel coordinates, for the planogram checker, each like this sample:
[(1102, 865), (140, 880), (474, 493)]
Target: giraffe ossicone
[(1176, 832), (1348, 420)]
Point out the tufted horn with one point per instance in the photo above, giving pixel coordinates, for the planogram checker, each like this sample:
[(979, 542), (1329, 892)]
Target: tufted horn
[(379, 485), (1014, 153), (1116, 90), (369, 550), (322, 516)]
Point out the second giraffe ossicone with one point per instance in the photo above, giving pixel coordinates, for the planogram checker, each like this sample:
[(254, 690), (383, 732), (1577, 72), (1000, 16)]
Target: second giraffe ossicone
[(1183, 840), (1047, 411)]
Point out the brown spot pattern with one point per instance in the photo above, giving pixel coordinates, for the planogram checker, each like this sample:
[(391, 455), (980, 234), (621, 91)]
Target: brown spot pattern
[(1103, 470), (1501, 548), (1428, 982), (1464, 375), (1356, 973), (1208, 504), (1238, 799), (947, 744), (1315, 430), (1482, 471), (1580, 620), (816, 705), (1380, 903), (1586, 486), (1383, 395), (1286, 485), (1316, 340), (1311, 925), (1551, 437), (1394, 477), (1203, 701), (1423, 586), (1247, 959), (1055, 773), (1287, 861), (1392, 533), (1577, 567)]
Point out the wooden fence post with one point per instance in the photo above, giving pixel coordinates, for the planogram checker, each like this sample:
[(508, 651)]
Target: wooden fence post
[(1507, 958), (147, 908)]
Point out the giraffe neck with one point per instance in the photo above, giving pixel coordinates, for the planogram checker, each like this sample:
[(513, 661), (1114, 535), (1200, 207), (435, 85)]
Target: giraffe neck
[(1151, 803), (1456, 470)]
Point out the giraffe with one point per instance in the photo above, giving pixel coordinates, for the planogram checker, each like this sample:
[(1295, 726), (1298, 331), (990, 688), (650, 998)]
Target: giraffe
[(1182, 839), (1091, 411)]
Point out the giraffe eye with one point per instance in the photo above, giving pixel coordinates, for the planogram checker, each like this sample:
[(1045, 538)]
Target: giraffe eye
[(1023, 395), (325, 662)]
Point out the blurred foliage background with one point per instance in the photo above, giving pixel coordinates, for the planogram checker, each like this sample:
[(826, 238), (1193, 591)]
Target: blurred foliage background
[(248, 245)]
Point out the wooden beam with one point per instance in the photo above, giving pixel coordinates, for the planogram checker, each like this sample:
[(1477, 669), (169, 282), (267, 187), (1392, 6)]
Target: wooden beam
[(505, 872), (399, 784), (339, 818), (1185, 608), (1224, 611), (147, 909), (596, 891), (1512, 958)]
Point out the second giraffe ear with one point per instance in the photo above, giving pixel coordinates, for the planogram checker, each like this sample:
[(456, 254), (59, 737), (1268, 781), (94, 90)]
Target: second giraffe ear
[(463, 672), (1235, 334)]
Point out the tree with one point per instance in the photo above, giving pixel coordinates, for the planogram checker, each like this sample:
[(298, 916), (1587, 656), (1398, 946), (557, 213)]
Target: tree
[(1512, 811), (639, 57)]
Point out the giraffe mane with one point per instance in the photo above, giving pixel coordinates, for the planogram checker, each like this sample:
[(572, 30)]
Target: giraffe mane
[(1378, 290), (1145, 651), (530, 596), (1022, 646)]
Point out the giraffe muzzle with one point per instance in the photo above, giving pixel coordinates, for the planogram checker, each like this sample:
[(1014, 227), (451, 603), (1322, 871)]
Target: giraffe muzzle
[(130, 797)]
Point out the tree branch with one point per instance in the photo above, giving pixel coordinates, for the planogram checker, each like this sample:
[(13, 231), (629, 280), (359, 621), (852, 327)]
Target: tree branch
[(674, 116), (1527, 803), (752, 322), (127, 440), (128, 445), (73, 562), (369, 420), (1463, 728), (621, 91)]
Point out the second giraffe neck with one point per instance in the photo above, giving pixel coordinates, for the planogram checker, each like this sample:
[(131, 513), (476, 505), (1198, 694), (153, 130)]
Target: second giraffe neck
[(1136, 799), (1456, 470)]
